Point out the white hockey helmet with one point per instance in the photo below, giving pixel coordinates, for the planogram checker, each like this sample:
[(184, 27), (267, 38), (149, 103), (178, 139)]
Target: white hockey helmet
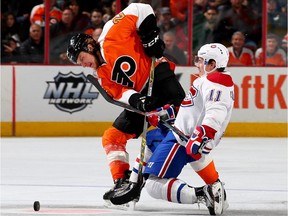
[(216, 51)]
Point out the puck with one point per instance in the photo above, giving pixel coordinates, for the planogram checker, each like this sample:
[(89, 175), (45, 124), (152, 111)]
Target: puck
[(36, 206)]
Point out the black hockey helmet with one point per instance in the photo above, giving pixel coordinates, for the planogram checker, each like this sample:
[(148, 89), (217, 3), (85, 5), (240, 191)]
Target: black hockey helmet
[(77, 44)]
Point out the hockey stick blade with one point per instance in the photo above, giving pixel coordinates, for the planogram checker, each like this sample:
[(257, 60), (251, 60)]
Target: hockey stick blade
[(130, 206), (127, 193)]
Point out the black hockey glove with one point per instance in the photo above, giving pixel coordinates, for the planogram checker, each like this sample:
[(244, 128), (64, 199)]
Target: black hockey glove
[(142, 102), (153, 45)]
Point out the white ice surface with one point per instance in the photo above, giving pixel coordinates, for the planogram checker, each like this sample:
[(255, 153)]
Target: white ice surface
[(69, 176)]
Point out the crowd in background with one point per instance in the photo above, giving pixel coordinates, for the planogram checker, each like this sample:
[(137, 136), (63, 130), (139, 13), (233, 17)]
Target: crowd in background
[(235, 23)]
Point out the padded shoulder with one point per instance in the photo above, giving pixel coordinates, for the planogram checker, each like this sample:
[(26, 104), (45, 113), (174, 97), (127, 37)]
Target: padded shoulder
[(221, 78)]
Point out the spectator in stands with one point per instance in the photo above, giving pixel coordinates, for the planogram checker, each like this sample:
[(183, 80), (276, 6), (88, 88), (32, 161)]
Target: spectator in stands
[(9, 28), (285, 42), (284, 46), (96, 33), (60, 34), (37, 15), (179, 10), (277, 20), (238, 54), (206, 32), (275, 56), (88, 5), (219, 4), (64, 26), (109, 9), (11, 51), (80, 20), (199, 7), (172, 52), (114, 8), (21, 9), (95, 22), (32, 49), (237, 17), (165, 21)]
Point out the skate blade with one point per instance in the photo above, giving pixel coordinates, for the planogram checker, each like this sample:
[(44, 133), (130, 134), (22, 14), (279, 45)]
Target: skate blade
[(225, 205), (130, 206), (219, 204)]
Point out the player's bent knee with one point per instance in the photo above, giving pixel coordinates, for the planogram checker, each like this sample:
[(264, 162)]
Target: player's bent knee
[(149, 185), (115, 137), (154, 186)]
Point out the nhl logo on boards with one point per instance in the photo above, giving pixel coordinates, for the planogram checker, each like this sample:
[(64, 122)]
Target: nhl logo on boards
[(70, 92)]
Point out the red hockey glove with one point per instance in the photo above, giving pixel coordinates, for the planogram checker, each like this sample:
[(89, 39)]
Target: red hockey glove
[(165, 113), (196, 146)]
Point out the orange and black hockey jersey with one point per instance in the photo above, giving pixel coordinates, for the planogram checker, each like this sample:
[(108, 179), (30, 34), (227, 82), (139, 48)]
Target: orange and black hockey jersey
[(127, 67)]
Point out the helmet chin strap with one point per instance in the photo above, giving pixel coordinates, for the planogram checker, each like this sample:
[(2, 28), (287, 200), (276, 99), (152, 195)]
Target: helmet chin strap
[(208, 72)]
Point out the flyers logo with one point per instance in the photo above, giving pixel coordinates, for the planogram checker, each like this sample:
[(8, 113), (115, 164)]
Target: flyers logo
[(123, 69), (188, 100)]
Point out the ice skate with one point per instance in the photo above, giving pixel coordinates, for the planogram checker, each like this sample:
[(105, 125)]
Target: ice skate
[(215, 198), (118, 184)]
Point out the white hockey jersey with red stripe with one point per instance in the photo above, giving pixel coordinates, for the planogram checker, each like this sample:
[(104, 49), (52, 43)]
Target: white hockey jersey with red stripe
[(127, 67), (209, 101)]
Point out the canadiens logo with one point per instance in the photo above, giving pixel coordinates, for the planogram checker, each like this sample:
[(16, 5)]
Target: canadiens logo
[(70, 92)]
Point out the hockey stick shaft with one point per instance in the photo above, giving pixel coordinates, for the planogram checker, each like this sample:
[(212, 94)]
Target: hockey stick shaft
[(182, 136), (109, 99), (145, 125)]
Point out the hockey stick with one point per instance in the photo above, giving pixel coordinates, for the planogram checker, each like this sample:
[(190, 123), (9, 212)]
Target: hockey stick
[(134, 191), (109, 99), (145, 125)]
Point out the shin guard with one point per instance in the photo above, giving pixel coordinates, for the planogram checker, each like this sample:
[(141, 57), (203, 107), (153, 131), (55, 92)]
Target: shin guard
[(114, 143)]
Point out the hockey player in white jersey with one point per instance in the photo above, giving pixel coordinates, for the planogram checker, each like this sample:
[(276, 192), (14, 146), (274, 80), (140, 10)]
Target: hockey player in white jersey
[(203, 117)]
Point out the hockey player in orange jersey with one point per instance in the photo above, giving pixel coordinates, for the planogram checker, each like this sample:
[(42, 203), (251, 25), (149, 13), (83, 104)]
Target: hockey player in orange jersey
[(122, 60)]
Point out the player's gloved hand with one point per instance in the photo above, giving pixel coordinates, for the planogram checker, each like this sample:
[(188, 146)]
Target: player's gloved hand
[(153, 45), (165, 113), (142, 102), (196, 146)]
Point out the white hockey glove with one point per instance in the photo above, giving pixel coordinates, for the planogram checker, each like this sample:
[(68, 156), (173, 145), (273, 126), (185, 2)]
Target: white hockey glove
[(196, 146)]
